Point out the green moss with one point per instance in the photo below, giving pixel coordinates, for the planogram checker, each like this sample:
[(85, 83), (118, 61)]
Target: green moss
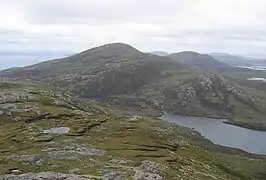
[(110, 131)]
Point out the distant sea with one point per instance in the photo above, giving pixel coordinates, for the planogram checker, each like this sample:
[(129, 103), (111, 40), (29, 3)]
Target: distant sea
[(9, 60), (259, 68)]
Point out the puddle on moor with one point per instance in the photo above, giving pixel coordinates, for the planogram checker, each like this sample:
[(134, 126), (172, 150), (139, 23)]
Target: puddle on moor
[(57, 130)]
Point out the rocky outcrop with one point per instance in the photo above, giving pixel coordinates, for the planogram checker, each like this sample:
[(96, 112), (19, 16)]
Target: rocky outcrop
[(146, 171), (211, 95), (48, 176), (12, 97)]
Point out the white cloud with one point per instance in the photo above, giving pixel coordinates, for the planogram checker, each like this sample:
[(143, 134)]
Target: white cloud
[(236, 26)]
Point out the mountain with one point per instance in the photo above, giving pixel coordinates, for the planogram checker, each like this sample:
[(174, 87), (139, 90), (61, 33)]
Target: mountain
[(202, 61), (121, 75), (160, 53), (106, 70), (206, 63), (47, 134)]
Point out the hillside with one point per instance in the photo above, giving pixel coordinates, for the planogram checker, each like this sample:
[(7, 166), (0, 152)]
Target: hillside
[(101, 142), (122, 75), (225, 65), (218, 63)]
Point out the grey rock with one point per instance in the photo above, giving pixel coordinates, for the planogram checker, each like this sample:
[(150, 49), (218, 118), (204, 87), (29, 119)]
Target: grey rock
[(34, 159), (140, 175), (112, 176), (153, 167), (149, 171), (11, 97), (76, 151), (48, 176), (120, 161), (74, 171)]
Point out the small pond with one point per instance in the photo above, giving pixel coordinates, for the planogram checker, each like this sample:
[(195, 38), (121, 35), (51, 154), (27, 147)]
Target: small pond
[(57, 130)]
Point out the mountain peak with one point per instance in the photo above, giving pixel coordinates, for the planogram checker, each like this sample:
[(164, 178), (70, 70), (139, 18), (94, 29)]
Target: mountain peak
[(189, 53), (117, 48), (190, 56), (117, 44)]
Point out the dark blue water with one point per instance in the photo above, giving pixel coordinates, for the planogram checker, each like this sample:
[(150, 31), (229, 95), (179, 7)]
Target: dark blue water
[(251, 141)]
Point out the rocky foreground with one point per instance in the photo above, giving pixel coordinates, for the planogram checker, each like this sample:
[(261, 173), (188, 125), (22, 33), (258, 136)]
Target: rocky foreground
[(104, 142)]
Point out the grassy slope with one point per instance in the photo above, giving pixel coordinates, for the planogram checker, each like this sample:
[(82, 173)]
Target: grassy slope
[(127, 139)]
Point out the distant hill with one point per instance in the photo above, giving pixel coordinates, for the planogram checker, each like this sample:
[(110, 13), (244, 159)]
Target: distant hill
[(203, 61), (160, 53), (210, 64)]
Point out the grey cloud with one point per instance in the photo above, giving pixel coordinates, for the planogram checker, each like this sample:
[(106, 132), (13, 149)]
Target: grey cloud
[(101, 11), (68, 26)]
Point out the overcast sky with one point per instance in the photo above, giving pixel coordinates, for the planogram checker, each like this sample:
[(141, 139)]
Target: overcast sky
[(34, 30)]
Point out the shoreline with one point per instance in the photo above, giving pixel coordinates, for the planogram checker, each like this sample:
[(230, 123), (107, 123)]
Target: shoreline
[(251, 126)]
